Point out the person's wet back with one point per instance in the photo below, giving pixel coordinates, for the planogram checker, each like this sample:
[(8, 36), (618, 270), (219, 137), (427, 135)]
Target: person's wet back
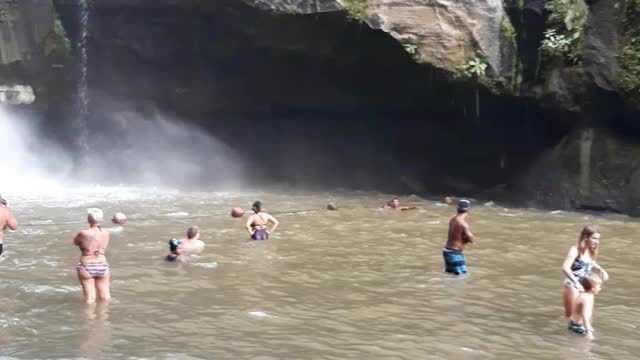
[(458, 236), (580, 321), (192, 245), (257, 224), (93, 268)]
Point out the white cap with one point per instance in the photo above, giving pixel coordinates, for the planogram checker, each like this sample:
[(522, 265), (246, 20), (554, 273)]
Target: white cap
[(95, 214)]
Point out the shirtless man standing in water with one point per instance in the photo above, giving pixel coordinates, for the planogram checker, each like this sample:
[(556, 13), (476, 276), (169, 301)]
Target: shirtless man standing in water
[(93, 269), (459, 236), (7, 221)]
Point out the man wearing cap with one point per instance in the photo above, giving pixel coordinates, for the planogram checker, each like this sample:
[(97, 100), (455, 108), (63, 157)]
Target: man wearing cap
[(459, 236), (7, 221)]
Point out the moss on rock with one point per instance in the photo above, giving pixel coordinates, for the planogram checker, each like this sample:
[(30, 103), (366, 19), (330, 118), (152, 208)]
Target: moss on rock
[(509, 50), (629, 59)]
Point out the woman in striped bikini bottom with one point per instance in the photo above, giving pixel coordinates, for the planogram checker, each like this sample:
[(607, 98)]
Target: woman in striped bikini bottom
[(94, 269)]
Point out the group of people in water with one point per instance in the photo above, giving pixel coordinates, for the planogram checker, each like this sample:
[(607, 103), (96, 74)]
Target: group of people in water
[(581, 282)]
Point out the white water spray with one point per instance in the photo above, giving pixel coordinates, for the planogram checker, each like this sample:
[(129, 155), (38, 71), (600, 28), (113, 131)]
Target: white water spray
[(83, 96), (30, 162)]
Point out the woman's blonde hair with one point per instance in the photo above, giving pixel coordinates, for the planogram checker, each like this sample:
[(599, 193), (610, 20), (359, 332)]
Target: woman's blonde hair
[(586, 233)]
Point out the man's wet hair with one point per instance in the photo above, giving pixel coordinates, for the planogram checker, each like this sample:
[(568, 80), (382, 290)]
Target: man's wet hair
[(3, 201), (257, 206), (192, 232)]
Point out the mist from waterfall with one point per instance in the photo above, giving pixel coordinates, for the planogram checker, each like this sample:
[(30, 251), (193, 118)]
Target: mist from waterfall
[(31, 162), (130, 149)]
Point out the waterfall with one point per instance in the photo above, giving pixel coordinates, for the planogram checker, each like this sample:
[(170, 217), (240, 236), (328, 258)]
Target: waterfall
[(83, 96), (586, 142)]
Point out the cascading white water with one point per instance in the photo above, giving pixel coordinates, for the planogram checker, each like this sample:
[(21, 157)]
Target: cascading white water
[(30, 162), (83, 96)]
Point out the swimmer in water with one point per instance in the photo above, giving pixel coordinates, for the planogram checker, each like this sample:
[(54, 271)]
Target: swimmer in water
[(459, 235), (192, 245), (582, 312), (578, 263), (394, 204), (7, 220), (257, 224), (174, 248), (93, 268)]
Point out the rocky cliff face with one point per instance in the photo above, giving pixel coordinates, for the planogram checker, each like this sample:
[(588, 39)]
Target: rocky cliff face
[(31, 41), (519, 79), (575, 57)]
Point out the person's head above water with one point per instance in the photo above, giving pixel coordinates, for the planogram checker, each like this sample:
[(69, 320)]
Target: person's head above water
[(589, 241), (394, 203), (173, 245), (463, 206), (257, 206), (94, 215), (193, 232), (592, 283)]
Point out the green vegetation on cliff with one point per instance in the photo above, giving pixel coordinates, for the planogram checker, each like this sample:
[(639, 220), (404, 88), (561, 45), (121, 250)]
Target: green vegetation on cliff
[(509, 50), (563, 38), (59, 30), (57, 42), (356, 9), (629, 60)]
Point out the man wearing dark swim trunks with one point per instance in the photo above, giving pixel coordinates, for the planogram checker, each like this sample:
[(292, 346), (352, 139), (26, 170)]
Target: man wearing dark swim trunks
[(459, 236), (7, 221)]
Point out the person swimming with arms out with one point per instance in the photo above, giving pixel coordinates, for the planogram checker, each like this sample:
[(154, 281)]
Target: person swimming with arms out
[(93, 268), (458, 236), (7, 220), (394, 204), (174, 251), (580, 321), (257, 224), (578, 263)]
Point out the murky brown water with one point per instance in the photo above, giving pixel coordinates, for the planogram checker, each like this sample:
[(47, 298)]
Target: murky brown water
[(359, 283)]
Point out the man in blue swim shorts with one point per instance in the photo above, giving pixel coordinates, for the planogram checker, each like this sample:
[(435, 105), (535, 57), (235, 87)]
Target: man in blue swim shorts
[(459, 235)]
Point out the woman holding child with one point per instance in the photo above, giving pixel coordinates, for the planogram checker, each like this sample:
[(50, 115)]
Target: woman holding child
[(577, 268)]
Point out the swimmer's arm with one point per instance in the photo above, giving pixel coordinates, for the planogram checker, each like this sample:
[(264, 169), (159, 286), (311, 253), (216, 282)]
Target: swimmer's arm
[(409, 208), (248, 225), (566, 266), (468, 235), (603, 273), (12, 224), (76, 240), (275, 223)]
